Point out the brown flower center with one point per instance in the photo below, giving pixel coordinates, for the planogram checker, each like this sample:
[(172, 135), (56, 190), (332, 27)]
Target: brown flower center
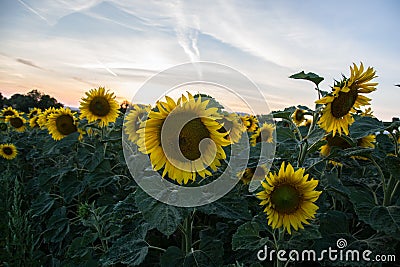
[(190, 137), (343, 103), (65, 124), (16, 122), (285, 199), (8, 113), (337, 141), (7, 150), (99, 106)]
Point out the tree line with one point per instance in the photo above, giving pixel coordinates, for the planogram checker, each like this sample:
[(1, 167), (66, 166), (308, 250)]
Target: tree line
[(29, 100)]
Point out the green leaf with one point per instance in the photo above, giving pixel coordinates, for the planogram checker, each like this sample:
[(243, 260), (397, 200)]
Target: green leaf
[(172, 257), (71, 186), (386, 219), (130, 249), (358, 151), (316, 135), (284, 133), (284, 114), (57, 226), (315, 78), (363, 201), (334, 222), (248, 237), (42, 204), (230, 206), (365, 126), (165, 218), (393, 165)]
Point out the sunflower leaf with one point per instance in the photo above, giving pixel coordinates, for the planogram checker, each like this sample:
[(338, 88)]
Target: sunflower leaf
[(315, 78), (365, 126), (386, 219), (248, 237), (393, 165)]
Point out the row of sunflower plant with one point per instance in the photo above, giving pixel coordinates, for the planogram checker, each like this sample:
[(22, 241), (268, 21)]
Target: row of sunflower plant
[(69, 198)]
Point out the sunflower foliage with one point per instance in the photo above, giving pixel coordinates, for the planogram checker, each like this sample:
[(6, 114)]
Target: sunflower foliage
[(71, 200)]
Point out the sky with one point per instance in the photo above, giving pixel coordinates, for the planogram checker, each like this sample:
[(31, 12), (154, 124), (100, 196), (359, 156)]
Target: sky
[(64, 48)]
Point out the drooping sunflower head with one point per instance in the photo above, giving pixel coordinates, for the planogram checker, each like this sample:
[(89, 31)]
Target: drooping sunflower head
[(34, 112), (298, 116), (251, 122), (8, 151), (182, 137), (100, 106), (345, 99), (232, 124), (9, 111), (289, 198), (263, 134), (133, 120), (257, 173), (43, 117), (17, 122), (61, 123)]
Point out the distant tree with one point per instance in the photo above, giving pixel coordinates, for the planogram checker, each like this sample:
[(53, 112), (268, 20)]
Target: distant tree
[(32, 99), (124, 106)]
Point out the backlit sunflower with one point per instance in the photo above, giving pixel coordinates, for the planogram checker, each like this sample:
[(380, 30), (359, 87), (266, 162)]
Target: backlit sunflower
[(199, 133), (263, 134), (251, 122), (61, 123), (289, 198), (99, 105), (34, 112), (298, 116), (345, 98), (9, 111), (232, 124), (17, 122), (43, 117), (8, 151), (133, 120), (258, 173)]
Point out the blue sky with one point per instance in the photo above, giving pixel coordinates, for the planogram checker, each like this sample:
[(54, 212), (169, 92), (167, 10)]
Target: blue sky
[(65, 48)]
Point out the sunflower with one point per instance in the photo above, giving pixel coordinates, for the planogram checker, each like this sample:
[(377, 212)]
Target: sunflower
[(200, 132), (17, 122), (33, 122), (8, 151), (232, 124), (338, 141), (34, 112), (289, 198), (133, 120), (99, 105), (367, 113), (298, 116), (61, 123), (345, 98), (263, 134), (9, 111), (251, 122), (258, 173), (43, 117)]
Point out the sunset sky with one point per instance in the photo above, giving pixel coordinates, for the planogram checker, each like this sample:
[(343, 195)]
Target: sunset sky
[(65, 48)]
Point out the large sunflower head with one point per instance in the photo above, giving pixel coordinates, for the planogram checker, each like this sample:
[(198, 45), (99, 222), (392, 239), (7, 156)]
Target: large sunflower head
[(333, 141), (258, 173), (17, 122), (251, 122), (232, 124), (61, 123), (345, 99), (263, 134), (9, 111), (298, 116), (182, 137), (133, 121), (289, 198), (8, 151), (99, 105), (43, 117)]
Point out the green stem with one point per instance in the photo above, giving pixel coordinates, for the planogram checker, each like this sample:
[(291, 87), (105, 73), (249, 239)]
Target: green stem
[(281, 234), (389, 189), (187, 234), (396, 187), (396, 145), (385, 192)]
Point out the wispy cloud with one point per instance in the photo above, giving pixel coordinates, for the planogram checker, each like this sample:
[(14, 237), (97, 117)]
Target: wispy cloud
[(32, 10), (28, 63)]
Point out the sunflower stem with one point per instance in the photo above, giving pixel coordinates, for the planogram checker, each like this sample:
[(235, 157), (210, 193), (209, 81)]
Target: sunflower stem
[(388, 195), (385, 191), (187, 233), (396, 187), (396, 145), (281, 235)]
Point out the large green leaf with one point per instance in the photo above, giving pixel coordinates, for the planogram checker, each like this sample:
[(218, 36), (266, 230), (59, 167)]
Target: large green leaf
[(386, 219), (315, 78), (57, 226), (130, 249), (365, 126), (172, 257), (393, 165), (165, 218), (248, 237), (363, 201), (42, 204)]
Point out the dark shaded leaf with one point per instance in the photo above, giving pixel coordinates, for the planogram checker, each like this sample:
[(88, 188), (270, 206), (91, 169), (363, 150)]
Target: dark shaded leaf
[(315, 78)]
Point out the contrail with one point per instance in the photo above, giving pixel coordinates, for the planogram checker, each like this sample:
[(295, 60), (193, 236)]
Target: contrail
[(107, 69), (32, 10)]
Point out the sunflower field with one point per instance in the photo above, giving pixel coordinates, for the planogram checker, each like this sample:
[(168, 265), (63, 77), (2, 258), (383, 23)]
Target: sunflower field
[(69, 196)]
